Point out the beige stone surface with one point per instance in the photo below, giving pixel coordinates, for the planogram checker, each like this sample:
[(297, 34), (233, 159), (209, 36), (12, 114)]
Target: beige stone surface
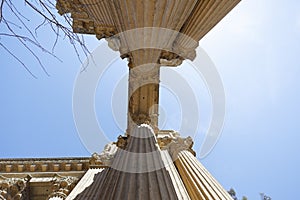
[(175, 177), (40, 178), (199, 183), (137, 172), (148, 33), (84, 183), (142, 169)]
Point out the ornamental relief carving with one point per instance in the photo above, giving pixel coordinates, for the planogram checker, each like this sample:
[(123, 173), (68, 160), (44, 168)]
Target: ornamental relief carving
[(75, 8), (178, 144), (143, 76), (62, 186), (106, 157), (168, 58), (13, 188)]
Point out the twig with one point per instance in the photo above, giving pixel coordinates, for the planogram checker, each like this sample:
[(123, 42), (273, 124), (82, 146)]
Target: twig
[(13, 55), (1, 7), (23, 43), (44, 9)]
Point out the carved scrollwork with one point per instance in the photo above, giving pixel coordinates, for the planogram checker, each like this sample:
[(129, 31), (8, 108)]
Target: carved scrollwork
[(186, 49), (180, 144), (106, 157), (83, 22), (12, 188), (74, 7), (122, 142), (141, 118), (105, 31), (62, 186), (114, 43), (168, 58), (81, 26)]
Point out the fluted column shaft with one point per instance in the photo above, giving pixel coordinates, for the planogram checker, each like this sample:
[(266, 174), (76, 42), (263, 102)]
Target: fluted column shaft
[(199, 182)]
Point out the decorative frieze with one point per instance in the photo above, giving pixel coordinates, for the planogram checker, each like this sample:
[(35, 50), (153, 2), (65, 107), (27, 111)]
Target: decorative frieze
[(43, 165), (32, 168), (83, 19), (70, 6), (189, 21)]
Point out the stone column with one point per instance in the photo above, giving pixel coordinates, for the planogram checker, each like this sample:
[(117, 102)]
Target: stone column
[(13, 188), (62, 186), (143, 92), (199, 183)]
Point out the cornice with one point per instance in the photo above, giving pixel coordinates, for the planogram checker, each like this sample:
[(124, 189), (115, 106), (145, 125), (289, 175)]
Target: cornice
[(190, 20), (32, 165)]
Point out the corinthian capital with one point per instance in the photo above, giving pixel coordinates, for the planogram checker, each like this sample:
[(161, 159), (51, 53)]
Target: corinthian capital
[(179, 144), (12, 188), (106, 157), (62, 186)]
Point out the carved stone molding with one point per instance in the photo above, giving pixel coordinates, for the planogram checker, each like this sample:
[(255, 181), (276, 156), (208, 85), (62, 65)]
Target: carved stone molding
[(122, 142), (177, 144), (185, 47), (194, 19), (114, 43), (105, 31), (12, 188), (74, 7), (62, 186), (105, 158), (83, 20), (141, 118), (168, 58), (165, 137), (43, 165), (89, 27)]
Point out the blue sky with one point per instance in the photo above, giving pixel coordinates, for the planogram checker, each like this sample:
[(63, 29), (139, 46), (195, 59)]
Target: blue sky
[(256, 51)]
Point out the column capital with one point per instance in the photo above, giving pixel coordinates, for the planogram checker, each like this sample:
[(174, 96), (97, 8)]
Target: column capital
[(62, 186), (12, 188), (105, 158), (179, 144)]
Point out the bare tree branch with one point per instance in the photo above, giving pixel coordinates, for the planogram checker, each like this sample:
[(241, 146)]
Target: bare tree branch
[(13, 55), (24, 38), (29, 49), (17, 14), (1, 8), (19, 28)]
